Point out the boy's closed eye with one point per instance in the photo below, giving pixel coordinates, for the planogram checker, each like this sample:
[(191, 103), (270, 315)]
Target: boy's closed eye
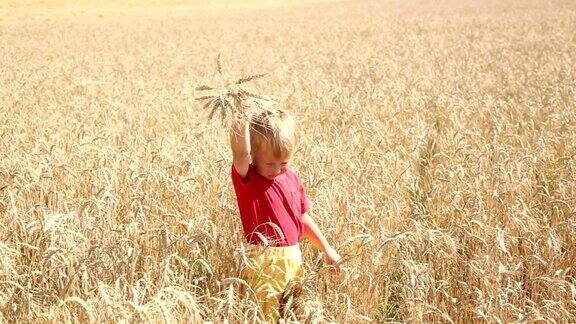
[(273, 164)]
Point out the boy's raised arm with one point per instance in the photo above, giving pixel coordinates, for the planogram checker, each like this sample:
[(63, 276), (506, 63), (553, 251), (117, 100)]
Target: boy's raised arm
[(240, 143)]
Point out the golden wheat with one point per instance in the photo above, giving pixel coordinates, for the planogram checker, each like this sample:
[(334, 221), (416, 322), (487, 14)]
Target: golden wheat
[(437, 144)]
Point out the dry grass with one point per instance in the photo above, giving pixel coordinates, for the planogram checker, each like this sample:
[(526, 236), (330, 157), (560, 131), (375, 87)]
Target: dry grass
[(437, 144)]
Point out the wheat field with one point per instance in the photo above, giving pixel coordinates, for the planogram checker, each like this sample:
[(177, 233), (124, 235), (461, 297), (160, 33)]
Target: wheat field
[(437, 143)]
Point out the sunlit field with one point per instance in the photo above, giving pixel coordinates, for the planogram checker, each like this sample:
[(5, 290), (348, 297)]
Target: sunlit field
[(437, 143)]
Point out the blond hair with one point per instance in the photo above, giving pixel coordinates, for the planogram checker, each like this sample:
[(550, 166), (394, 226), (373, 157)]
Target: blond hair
[(275, 128)]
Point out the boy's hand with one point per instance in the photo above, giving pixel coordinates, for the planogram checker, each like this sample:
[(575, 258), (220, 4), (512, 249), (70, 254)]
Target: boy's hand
[(332, 259)]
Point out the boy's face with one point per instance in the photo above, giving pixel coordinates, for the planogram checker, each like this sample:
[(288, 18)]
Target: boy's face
[(267, 165)]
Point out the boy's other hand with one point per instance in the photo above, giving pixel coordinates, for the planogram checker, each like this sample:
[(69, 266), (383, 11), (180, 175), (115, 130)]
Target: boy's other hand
[(332, 259)]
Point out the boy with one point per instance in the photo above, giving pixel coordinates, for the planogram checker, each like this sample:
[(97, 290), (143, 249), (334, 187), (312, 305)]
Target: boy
[(273, 206)]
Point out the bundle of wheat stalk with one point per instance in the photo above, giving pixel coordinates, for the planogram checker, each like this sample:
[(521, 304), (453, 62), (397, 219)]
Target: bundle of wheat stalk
[(233, 100)]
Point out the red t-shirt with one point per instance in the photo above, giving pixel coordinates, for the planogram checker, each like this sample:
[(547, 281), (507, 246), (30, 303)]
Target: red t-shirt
[(261, 201)]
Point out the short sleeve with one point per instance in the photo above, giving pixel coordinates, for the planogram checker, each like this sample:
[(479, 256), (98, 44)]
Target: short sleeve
[(237, 180)]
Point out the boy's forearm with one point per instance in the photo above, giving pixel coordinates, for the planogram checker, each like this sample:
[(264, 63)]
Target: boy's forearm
[(313, 233), (240, 137)]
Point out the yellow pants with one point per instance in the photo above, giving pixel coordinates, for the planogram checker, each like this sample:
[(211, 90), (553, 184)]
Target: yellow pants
[(269, 271)]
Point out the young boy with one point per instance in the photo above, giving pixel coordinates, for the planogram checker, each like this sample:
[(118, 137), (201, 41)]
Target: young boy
[(273, 206)]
